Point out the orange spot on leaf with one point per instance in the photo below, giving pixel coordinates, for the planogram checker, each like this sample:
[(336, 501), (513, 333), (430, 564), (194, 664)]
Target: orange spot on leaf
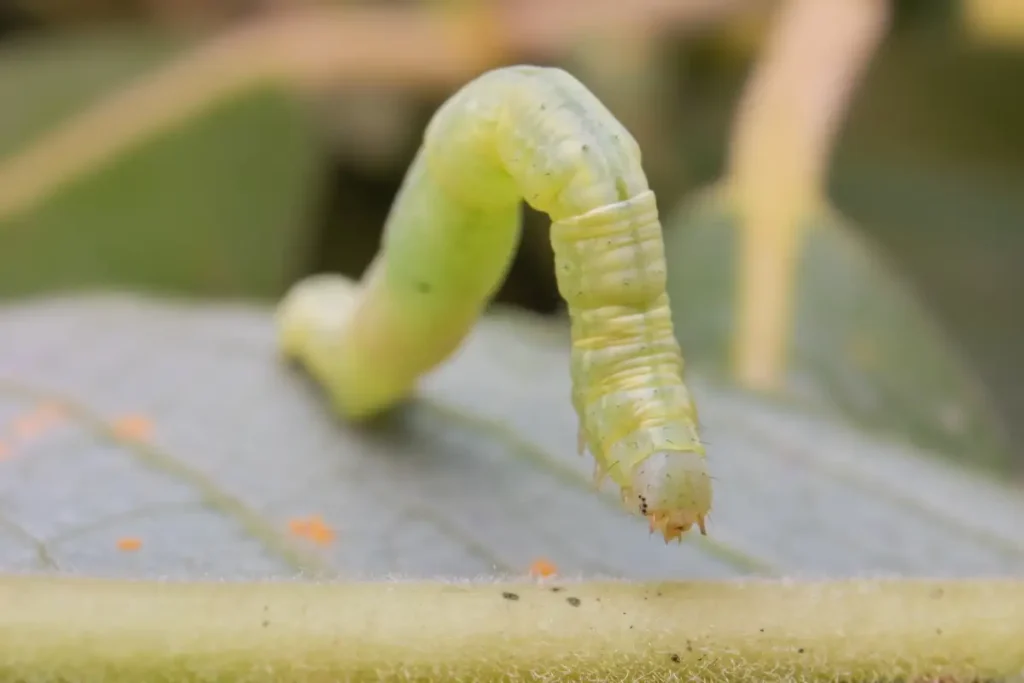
[(543, 568), (312, 528), (5, 451), (38, 421), (133, 427), (322, 535), (129, 544)]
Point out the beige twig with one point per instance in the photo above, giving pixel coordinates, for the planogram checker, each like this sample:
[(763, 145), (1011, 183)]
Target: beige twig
[(787, 123), (306, 49), (316, 47)]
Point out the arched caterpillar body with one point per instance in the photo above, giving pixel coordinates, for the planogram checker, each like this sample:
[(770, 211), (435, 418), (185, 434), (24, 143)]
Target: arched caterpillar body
[(535, 134)]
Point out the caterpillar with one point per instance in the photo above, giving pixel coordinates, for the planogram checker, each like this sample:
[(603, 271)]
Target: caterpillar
[(512, 134)]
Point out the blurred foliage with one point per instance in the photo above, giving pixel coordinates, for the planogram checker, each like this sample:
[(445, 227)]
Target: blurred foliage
[(862, 348), (930, 167), (171, 214)]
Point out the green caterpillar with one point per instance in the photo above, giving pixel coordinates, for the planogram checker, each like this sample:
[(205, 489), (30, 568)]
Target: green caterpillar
[(534, 134)]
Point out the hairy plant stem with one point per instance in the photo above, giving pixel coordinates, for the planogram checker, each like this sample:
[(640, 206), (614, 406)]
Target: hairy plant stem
[(104, 630)]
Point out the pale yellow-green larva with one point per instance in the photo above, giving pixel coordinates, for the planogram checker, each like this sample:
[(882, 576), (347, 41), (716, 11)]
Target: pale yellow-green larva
[(534, 134)]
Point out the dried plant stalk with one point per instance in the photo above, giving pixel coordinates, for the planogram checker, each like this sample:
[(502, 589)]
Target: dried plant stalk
[(315, 48), (786, 126)]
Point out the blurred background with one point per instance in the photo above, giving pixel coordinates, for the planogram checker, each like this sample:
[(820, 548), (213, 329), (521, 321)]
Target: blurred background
[(842, 185)]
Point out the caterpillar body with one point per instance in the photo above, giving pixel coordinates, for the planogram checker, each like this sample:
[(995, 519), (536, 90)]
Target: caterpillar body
[(535, 134)]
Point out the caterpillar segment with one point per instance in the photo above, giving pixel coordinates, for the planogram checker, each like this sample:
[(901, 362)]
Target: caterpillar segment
[(637, 418)]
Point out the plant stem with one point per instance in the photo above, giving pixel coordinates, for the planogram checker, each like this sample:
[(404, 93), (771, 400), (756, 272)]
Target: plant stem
[(792, 110), (103, 630)]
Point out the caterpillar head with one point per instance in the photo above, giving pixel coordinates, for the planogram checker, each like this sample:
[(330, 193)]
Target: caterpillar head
[(672, 490)]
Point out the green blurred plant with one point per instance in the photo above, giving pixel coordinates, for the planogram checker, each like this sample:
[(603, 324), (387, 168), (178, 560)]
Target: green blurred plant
[(777, 292)]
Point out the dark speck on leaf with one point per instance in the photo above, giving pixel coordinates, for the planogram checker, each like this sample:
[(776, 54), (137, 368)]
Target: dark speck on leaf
[(423, 287), (575, 602), (266, 623), (800, 650), (556, 589), (936, 593), (674, 657), (509, 596)]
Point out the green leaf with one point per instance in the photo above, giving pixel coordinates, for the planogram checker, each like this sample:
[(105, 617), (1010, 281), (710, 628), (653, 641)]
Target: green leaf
[(863, 348), (477, 476), (216, 206)]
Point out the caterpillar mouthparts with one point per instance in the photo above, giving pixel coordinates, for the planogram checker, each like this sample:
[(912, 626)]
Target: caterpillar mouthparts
[(673, 525), (672, 490)]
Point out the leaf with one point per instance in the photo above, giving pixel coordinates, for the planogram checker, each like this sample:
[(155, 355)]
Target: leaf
[(957, 232), (145, 438), (217, 205), (863, 347)]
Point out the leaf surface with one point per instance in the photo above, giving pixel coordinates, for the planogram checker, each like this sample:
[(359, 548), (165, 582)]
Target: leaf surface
[(153, 438)]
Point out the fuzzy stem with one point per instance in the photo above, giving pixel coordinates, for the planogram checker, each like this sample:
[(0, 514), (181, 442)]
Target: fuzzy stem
[(91, 630)]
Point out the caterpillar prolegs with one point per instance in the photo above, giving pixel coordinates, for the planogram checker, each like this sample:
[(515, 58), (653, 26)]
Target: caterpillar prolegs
[(535, 134)]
